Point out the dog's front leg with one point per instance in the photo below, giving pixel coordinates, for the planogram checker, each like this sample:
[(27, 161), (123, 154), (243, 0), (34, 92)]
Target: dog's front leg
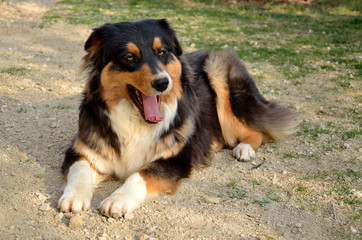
[(161, 176), (78, 190)]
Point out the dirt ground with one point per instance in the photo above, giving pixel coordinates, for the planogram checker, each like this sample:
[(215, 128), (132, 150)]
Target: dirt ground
[(39, 96)]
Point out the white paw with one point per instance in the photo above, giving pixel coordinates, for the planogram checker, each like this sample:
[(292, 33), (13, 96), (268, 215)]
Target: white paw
[(72, 201), (118, 204), (78, 191), (243, 152), (126, 198)]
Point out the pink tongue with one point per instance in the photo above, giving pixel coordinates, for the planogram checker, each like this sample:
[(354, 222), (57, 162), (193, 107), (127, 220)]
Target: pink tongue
[(151, 108)]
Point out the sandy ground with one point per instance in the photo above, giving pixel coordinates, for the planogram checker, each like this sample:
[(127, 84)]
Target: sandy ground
[(38, 118)]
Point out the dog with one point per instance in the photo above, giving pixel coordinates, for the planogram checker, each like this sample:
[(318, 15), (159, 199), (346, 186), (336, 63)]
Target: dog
[(150, 115)]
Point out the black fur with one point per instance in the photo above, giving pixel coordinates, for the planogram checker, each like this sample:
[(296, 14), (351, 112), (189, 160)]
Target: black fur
[(198, 102)]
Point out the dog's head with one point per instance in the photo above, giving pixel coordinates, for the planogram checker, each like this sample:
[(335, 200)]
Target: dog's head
[(137, 61)]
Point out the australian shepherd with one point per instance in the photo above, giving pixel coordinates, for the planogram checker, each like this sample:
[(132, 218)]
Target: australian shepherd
[(150, 115)]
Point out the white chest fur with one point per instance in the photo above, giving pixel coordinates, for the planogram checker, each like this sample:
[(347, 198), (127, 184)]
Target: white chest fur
[(137, 138)]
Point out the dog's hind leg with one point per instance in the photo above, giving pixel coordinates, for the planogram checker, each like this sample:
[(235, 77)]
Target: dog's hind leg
[(246, 118)]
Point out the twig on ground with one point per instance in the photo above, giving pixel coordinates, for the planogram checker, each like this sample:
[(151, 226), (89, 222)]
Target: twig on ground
[(259, 165)]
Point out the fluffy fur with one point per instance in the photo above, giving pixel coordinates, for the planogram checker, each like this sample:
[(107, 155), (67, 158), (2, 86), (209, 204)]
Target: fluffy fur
[(150, 115)]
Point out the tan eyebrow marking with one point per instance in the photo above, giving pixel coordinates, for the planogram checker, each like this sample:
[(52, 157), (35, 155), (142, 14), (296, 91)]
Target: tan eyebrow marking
[(132, 48), (157, 44)]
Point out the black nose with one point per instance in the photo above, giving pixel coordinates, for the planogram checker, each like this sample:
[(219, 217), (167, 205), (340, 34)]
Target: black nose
[(160, 84)]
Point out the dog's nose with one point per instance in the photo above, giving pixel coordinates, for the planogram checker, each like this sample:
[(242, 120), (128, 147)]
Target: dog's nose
[(160, 84)]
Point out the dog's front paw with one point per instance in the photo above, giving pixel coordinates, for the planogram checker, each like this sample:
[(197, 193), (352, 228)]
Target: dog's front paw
[(74, 202), (118, 204), (243, 152), (126, 198)]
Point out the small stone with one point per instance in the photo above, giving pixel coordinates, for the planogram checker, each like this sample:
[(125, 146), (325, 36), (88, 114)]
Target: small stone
[(360, 150), (44, 207), (356, 194), (353, 229), (128, 216), (53, 125), (144, 237), (348, 179), (110, 220), (102, 236), (213, 200), (275, 179), (41, 197), (12, 227), (298, 225), (252, 215), (193, 45), (75, 222), (254, 163), (58, 216)]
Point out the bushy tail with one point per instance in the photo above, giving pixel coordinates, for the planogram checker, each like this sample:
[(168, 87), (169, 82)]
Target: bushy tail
[(277, 121), (233, 85)]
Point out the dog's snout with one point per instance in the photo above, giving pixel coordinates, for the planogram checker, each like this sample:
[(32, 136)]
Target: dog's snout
[(160, 84)]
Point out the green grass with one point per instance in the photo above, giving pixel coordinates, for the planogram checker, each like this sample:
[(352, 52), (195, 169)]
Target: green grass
[(236, 192), (61, 107), (262, 202), (281, 36), (14, 71), (315, 130), (341, 185)]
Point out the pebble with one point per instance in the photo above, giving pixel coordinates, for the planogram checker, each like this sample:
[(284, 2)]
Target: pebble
[(102, 236), (356, 194), (252, 215), (110, 220), (353, 229), (41, 197), (75, 222), (275, 179), (44, 207), (144, 237), (298, 225), (360, 150), (58, 216), (213, 200), (128, 216)]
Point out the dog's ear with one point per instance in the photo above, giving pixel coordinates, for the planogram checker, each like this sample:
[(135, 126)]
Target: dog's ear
[(167, 28), (94, 46), (95, 40)]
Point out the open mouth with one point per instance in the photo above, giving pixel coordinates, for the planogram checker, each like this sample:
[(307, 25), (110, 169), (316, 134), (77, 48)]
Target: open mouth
[(149, 106)]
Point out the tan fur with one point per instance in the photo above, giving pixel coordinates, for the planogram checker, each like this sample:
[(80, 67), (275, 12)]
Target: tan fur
[(157, 44), (174, 70), (156, 186), (114, 84), (132, 48), (232, 129), (94, 47)]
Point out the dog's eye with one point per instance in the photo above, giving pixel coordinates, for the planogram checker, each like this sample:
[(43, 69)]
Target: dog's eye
[(129, 57), (162, 52)]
